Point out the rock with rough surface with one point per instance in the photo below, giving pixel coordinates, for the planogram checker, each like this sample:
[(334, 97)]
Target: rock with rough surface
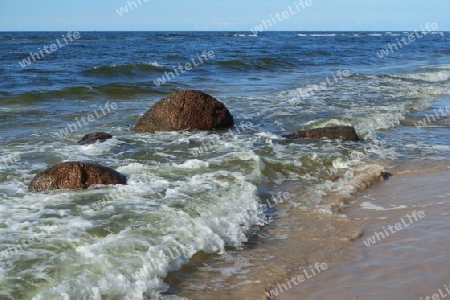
[(347, 133), (189, 109), (74, 175), (92, 138)]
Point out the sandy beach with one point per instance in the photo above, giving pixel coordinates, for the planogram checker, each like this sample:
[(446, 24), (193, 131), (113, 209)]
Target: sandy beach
[(409, 263), (388, 242), (222, 164)]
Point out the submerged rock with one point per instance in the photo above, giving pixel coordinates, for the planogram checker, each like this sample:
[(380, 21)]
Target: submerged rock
[(347, 133), (74, 175), (94, 137), (408, 122), (189, 109)]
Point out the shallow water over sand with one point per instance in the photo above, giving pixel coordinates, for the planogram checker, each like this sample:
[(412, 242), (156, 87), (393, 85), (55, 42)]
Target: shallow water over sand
[(408, 264), (195, 196)]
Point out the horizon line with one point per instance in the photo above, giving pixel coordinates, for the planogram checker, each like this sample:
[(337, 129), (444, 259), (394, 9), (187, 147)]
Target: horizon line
[(387, 30)]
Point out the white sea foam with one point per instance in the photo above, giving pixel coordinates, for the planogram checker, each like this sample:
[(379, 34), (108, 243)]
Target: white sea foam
[(177, 202), (372, 206), (208, 222), (440, 76), (192, 164), (155, 64), (324, 34)]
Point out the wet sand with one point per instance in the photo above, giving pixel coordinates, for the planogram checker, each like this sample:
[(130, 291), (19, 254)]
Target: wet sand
[(299, 238), (409, 263)]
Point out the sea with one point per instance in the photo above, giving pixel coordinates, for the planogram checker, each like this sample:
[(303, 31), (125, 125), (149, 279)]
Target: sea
[(196, 195)]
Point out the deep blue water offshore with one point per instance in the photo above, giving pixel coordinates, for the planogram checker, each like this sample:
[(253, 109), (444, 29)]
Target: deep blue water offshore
[(195, 191)]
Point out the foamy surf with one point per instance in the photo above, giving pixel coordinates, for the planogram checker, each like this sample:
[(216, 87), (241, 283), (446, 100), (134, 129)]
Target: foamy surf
[(196, 196), (163, 225)]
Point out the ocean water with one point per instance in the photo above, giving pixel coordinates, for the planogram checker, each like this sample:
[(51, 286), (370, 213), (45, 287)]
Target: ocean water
[(194, 192)]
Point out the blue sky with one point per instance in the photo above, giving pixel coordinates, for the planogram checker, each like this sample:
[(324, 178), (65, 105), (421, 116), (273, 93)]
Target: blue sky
[(174, 15)]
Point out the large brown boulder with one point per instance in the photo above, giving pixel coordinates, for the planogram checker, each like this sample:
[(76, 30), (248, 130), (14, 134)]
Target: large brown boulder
[(74, 175), (347, 133), (190, 109), (92, 138)]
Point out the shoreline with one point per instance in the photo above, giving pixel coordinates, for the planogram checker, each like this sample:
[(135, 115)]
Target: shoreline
[(404, 264), (273, 255), (298, 241), (204, 212)]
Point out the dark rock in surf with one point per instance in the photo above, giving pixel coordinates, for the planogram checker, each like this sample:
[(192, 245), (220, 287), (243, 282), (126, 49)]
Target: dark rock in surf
[(189, 109), (74, 175), (408, 122), (92, 138), (347, 133), (385, 175)]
